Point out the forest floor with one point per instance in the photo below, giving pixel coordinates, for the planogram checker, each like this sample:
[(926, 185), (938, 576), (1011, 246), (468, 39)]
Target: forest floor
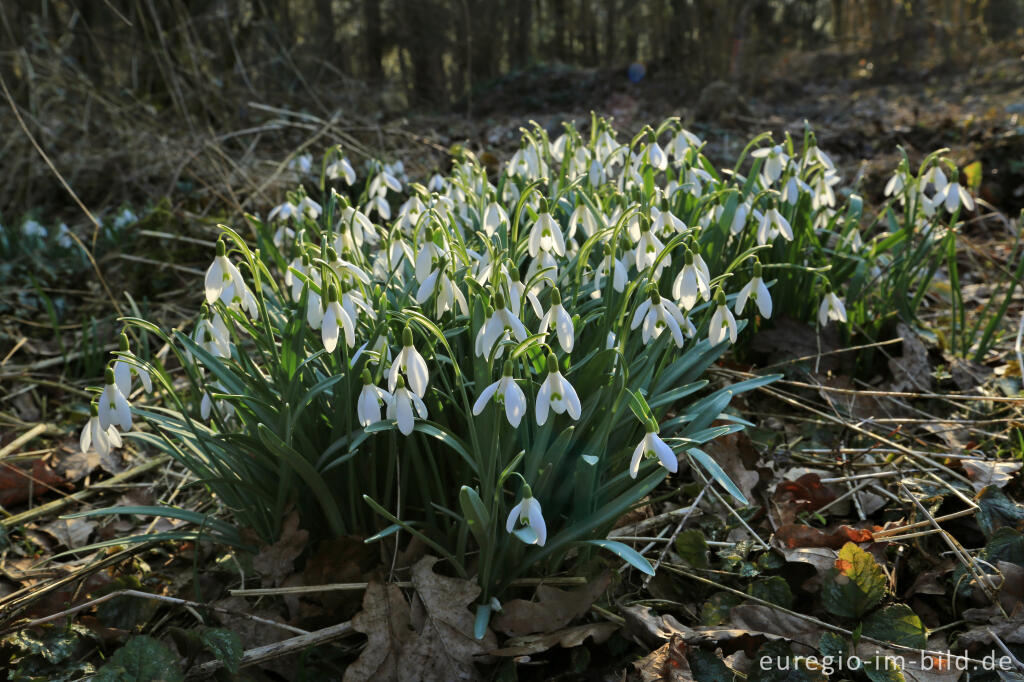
[(843, 445)]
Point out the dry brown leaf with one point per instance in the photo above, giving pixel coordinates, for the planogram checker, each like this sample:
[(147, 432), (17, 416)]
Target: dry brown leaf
[(983, 472), (805, 494), (764, 620), (822, 558), (72, 533), (667, 664), (77, 465), (913, 670), (911, 371), (276, 561), (566, 638), (385, 621), (553, 609), (792, 536), (736, 455), (649, 629), (14, 482), (444, 647)]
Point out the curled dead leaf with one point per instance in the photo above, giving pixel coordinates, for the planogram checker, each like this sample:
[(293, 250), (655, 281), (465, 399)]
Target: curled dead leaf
[(553, 609)]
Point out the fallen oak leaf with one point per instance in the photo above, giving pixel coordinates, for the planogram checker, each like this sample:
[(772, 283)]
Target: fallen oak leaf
[(667, 664), (553, 609), (385, 620), (985, 473), (276, 561), (445, 647), (567, 638)]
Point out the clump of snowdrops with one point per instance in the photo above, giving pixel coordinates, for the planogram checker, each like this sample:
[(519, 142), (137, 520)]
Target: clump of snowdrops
[(500, 368)]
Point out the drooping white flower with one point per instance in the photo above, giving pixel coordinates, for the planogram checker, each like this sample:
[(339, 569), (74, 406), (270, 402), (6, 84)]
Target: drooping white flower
[(558, 318), (495, 218), (496, 328), (583, 219), (370, 399), (935, 177), (113, 408), (653, 446), (436, 183), (212, 334), (95, 437), (341, 168), (773, 224), (692, 281), (430, 253), (756, 290), (831, 308), (656, 314), (400, 408), (775, 161), (301, 265), (517, 292), (224, 281), (952, 195), (665, 223), (412, 363), (654, 154), (336, 320), (546, 235), (723, 324), (447, 297), (556, 394), (506, 391), (896, 182), (528, 513), (648, 248), (123, 372), (613, 267), (284, 212)]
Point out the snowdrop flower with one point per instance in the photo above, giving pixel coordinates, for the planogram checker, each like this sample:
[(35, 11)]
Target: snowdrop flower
[(123, 371), (952, 195), (653, 446), (113, 406), (896, 182), (299, 264), (935, 177), (582, 218), (34, 229), (665, 223), (430, 253), (224, 281), (400, 408), (775, 160), (436, 183), (556, 394), (558, 147), (772, 225), (723, 324), (815, 155), (497, 328), (831, 308), (448, 295), (341, 169), (648, 248), (528, 514), (558, 319), (822, 193), (613, 267), (370, 399), (346, 271), (656, 315), (309, 208), (284, 212), (212, 334), (124, 219), (504, 390), (95, 437), (336, 320), (756, 290), (495, 218), (692, 281), (683, 142), (206, 405), (412, 363), (597, 175), (517, 292), (739, 218), (303, 163), (654, 154), (64, 237), (545, 234)]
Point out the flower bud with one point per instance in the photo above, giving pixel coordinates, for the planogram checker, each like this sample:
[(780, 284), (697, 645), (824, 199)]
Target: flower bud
[(552, 363), (407, 336)]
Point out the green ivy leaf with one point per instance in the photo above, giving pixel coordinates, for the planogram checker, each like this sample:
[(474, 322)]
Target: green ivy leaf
[(225, 645), (772, 589), (897, 624), (855, 585), (141, 658), (691, 545)]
